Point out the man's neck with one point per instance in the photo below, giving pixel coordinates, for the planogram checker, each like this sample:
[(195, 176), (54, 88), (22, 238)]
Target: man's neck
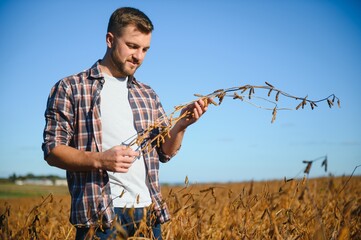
[(106, 67)]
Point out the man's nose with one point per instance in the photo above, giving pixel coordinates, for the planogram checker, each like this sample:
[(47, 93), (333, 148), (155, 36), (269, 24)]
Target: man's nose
[(139, 55)]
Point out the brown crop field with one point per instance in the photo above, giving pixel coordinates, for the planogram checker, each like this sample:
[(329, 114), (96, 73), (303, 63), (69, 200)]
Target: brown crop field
[(323, 208)]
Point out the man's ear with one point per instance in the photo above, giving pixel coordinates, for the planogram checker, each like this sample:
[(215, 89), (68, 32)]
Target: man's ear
[(109, 38)]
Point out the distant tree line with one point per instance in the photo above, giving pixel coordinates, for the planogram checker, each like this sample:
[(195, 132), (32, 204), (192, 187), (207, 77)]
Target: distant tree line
[(14, 177)]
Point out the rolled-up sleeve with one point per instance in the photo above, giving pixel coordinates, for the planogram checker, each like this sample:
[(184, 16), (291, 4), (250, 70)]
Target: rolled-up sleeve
[(162, 115), (59, 118), (164, 157)]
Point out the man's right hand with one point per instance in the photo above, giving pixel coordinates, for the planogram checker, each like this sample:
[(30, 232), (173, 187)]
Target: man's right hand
[(118, 159)]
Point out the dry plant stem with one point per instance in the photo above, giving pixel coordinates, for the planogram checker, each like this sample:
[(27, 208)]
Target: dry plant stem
[(348, 179), (147, 143)]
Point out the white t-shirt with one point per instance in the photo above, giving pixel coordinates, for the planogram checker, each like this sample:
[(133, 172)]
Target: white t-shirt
[(118, 126)]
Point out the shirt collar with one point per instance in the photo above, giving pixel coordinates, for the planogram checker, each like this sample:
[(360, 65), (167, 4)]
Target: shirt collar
[(96, 74), (132, 81)]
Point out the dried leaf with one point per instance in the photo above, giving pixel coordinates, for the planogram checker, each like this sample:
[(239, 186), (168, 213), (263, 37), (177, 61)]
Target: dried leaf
[(277, 95), (220, 97), (308, 168), (304, 102), (274, 113), (251, 90), (236, 96), (219, 90), (324, 164), (121, 194), (313, 105), (213, 102), (330, 104), (162, 138), (299, 105), (269, 92), (244, 88), (269, 84), (344, 233), (158, 141)]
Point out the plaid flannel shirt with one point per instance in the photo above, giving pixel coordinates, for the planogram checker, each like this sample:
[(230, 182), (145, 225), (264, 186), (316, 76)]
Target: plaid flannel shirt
[(73, 118)]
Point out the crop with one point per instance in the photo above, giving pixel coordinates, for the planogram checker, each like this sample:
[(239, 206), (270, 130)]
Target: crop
[(323, 208)]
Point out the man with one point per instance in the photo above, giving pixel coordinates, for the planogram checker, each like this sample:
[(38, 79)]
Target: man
[(89, 118)]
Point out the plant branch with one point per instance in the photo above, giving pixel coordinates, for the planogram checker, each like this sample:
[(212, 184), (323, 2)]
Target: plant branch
[(156, 133)]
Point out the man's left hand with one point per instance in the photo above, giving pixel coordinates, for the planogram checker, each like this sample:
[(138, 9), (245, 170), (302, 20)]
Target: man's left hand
[(194, 111)]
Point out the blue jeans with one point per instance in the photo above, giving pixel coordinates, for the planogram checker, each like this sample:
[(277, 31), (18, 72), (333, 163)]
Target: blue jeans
[(129, 218)]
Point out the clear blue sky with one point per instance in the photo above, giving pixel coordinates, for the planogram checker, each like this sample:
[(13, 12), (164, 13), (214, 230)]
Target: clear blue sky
[(301, 47)]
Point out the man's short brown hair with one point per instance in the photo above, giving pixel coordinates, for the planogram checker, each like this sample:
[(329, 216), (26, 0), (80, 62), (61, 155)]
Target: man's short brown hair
[(122, 17)]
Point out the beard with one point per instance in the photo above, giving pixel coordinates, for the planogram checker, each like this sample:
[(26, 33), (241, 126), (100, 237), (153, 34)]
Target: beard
[(123, 68)]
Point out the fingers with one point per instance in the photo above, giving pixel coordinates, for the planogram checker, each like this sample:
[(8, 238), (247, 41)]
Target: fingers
[(123, 166), (128, 151), (126, 157), (194, 112), (199, 109), (119, 158)]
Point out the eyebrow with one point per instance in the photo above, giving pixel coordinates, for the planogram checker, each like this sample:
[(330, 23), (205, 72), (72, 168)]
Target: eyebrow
[(136, 45)]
